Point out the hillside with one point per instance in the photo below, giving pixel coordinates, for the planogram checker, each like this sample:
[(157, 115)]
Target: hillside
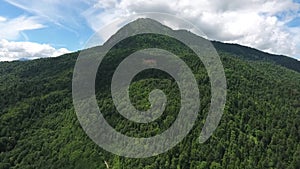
[(259, 128), (254, 54)]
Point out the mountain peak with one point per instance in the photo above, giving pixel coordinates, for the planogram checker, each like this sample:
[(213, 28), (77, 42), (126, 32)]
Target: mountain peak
[(136, 26), (145, 20)]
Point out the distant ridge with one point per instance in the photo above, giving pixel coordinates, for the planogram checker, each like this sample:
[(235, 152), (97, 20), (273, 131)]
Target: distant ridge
[(253, 54)]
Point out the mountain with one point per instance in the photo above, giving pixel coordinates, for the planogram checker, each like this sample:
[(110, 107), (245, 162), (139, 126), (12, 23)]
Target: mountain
[(259, 127), (256, 55)]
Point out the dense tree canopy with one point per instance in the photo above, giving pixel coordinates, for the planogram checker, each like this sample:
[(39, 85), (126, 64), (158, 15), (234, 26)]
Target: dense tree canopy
[(259, 129)]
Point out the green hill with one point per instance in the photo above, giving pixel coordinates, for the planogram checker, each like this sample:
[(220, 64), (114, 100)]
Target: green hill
[(259, 128)]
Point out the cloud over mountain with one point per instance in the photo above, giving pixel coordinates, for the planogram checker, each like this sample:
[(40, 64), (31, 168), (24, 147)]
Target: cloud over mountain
[(262, 24)]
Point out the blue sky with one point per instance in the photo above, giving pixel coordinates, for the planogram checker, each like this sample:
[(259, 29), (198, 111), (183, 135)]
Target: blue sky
[(62, 34), (47, 28)]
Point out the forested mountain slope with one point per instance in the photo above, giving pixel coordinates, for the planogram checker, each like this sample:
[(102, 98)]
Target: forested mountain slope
[(259, 128), (254, 54)]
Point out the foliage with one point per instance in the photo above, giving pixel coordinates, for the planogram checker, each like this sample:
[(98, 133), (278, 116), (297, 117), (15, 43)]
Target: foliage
[(259, 128)]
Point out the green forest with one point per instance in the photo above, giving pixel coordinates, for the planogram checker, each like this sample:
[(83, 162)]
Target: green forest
[(259, 128)]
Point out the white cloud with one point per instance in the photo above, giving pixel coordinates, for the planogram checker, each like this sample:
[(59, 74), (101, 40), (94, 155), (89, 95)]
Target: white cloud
[(10, 50), (62, 13), (106, 4), (255, 23), (12, 28), (2, 19)]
